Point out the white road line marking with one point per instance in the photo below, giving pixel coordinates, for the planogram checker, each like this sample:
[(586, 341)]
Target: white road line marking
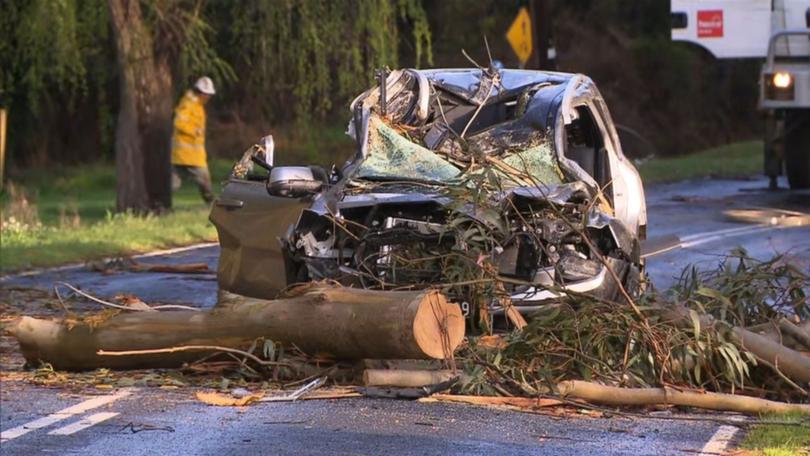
[(718, 444), (710, 237), (721, 439), (696, 239), (742, 229), (64, 414), (662, 250), (83, 423), (187, 248)]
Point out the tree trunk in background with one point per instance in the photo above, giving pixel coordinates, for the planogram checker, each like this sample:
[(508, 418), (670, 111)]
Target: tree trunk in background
[(143, 128)]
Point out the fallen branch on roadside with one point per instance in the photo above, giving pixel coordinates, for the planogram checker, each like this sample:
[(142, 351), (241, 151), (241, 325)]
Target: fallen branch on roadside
[(130, 303), (494, 401), (190, 268), (611, 395), (131, 265), (207, 348)]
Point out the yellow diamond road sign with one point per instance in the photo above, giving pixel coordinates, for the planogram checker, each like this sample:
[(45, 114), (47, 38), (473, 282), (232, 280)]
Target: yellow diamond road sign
[(519, 36)]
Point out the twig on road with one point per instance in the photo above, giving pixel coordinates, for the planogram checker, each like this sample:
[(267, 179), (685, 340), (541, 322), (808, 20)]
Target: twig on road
[(191, 347)]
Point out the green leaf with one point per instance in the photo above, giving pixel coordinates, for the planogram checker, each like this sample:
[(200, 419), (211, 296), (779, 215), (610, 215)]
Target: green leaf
[(714, 294), (695, 322)]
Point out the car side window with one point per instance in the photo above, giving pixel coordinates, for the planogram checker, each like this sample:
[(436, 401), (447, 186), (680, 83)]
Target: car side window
[(585, 144)]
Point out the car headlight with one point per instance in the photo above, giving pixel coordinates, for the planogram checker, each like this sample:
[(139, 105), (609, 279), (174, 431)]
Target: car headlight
[(779, 86), (782, 80)]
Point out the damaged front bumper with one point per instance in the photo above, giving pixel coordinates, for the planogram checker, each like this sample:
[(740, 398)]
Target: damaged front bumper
[(402, 239)]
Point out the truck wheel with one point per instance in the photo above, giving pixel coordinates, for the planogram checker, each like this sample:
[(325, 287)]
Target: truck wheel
[(797, 147)]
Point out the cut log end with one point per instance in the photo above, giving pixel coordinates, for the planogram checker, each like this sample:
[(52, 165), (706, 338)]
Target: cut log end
[(438, 326)]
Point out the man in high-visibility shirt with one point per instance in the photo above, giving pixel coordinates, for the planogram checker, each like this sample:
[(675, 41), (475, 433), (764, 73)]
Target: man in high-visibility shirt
[(188, 141)]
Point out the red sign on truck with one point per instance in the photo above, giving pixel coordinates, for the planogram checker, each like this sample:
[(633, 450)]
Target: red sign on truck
[(710, 24)]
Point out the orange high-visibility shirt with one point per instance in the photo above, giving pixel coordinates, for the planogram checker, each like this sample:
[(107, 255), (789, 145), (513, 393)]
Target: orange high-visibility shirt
[(188, 140)]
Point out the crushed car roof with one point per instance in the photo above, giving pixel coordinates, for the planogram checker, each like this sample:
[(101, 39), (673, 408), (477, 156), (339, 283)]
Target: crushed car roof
[(465, 82)]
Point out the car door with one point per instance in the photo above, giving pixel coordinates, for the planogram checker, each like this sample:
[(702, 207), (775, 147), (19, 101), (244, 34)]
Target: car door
[(628, 192), (622, 183), (250, 224)]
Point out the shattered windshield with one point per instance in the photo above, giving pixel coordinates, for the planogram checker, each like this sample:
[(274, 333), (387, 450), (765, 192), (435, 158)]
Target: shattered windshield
[(392, 156)]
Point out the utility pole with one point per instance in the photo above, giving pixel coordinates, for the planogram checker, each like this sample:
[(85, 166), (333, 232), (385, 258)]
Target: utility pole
[(3, 117), (540, 11)]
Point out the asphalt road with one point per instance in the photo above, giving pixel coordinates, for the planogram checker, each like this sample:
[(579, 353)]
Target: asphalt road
[(695, 211), (157, 421)]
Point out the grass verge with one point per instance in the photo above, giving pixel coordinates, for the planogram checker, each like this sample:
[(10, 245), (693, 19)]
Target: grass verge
[(62, 215), (778, 440), (118, 234), (732, 160), (66, 215)]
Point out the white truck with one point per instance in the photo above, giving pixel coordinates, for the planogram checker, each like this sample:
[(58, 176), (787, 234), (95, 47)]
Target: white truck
[(779, 32)]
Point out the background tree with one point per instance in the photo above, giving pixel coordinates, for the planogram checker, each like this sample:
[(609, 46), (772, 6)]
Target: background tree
[(142, 129), (299, 62)]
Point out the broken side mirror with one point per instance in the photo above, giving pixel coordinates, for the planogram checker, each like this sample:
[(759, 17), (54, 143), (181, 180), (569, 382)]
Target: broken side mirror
[(263, 153), (269, 148), (294, 181)]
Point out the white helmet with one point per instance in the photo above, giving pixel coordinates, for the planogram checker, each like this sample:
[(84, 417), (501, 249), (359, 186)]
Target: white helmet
[(205, 85)]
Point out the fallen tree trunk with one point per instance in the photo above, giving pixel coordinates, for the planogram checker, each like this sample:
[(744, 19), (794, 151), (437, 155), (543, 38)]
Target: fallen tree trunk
[(783, 331), (345, 323), (791, 363), (612, 395), (798, 333)]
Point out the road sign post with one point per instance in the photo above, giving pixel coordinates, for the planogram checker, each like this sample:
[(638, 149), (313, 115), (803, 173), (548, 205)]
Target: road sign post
[(3, 117), (541, 22)]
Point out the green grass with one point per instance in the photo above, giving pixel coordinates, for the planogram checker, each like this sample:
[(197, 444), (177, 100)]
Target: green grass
[(732, 160), (90, 190), (71, 218), (778, 440), (119, 234), (59, 194)]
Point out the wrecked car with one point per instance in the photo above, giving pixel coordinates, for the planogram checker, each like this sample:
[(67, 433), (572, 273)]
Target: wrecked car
[(459, 175)]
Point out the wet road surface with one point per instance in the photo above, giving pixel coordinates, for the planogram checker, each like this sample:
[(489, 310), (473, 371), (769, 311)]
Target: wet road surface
[(160, 422), (156, 421), (694, 211)]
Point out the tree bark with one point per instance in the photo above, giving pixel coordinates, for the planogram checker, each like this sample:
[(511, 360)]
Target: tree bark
[(143, 128), (612, 395), (341, 322), (775, 331), (791, 363)]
